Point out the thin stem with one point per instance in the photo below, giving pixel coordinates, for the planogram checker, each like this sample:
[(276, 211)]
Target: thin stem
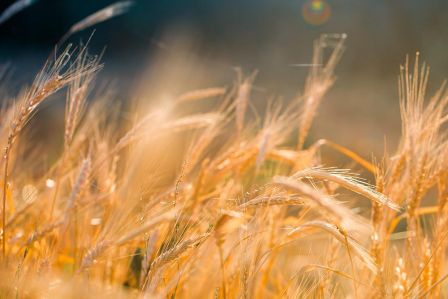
[(351, 263), (5, 179), (223, 271), (58, 181)]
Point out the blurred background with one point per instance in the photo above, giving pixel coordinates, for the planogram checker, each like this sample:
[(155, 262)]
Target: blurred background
[(181, 45)]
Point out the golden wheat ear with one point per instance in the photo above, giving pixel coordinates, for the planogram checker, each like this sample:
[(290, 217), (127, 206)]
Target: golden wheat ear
[(78, 92), (319, 81), (242, 98), (342, 178)]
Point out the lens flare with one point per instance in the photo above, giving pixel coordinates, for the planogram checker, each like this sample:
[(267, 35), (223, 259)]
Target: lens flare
[(316, 12)]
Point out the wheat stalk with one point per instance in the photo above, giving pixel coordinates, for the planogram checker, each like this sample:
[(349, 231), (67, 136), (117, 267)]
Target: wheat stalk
[(200, 94), (99, 16), (15, 8)]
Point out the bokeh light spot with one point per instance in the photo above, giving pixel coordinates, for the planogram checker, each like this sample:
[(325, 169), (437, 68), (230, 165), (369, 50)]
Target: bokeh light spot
[(316, 12), (317, 5)]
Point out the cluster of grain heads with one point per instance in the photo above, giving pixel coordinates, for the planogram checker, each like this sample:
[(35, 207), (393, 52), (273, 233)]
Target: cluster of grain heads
[(54, 76), (172, 205), (325, 205)]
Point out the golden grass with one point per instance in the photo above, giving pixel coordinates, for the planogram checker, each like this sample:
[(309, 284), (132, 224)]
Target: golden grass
[(247, 211)]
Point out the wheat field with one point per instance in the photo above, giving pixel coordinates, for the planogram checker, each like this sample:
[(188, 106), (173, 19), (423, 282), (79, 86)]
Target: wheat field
[(228, 201)]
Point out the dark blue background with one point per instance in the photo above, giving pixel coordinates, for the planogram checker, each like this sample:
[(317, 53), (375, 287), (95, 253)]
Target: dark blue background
[(237, 29), (267, 35)]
